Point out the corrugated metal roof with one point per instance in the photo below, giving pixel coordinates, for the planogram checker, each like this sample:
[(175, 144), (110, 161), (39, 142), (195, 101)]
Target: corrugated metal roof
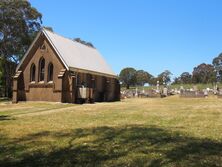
[(78, 56)]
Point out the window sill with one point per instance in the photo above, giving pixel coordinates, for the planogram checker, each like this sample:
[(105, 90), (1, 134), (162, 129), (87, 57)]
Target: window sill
[(41, 85), (41, 82)]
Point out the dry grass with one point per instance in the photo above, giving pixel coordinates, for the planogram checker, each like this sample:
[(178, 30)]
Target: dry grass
[(134, 132)]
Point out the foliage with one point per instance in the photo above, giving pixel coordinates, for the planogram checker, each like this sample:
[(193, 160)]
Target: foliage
[(142, 77), (153, 81), (48, 28), (135, 132), (204, 73), (128, 77), (84, 42), (184, 78), (164, 77), (217, 63), (4, 79), (176, 80), (19, 22)]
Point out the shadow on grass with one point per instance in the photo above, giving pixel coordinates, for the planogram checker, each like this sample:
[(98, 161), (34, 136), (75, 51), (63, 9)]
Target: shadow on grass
[(130, 145), (5, 118)]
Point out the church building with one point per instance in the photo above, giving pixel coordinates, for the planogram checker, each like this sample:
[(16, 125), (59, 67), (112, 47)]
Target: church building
[(59, 69)]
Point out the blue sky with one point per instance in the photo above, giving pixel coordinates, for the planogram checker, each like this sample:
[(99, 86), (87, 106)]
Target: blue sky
[(153, 35)]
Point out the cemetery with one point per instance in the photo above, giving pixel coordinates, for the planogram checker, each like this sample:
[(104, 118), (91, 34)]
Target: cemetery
[(165, 91)]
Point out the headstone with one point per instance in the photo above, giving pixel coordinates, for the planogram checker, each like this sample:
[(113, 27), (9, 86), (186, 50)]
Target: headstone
[(136, 94), (165, 90), (181, 89), (196, 93), (158, 85), (205, 92), (195, 88), (215, 90), (175, 90), (220, 92)]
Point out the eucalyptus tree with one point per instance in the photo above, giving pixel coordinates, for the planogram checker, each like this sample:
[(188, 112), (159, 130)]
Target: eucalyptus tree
[(142, 77), (217, 63), (19, 22), (204, 73), (164, 77), (128, 77)]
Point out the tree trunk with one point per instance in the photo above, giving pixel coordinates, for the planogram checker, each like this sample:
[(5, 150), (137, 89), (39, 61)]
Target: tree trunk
[(8, 71), (6, 77), (127, 86)]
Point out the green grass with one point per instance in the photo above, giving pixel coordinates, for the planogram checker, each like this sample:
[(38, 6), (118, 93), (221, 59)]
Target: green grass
[(135, 132)]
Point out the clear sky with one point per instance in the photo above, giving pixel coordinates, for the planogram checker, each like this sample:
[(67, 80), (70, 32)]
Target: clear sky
[(153, 35)]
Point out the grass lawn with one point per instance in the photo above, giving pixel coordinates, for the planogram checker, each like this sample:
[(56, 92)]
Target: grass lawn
[(135, 132)]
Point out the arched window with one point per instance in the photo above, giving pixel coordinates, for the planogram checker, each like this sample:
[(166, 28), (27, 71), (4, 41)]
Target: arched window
[(41, 69), (32, 73), (50, 72)]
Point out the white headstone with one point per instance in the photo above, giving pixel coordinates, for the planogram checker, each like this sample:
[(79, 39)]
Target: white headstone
[(165, 91), (136, 94), (143, 91), (205, 92)]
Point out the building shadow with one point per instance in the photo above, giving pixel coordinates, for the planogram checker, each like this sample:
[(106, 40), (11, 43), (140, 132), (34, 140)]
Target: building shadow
[(130, 145)]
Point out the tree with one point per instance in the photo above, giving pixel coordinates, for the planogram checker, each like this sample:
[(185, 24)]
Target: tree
[(84, 42), (204, 73), (176, 80), (142, 77), (164, 77), (217, 63), (153, 81), (128, 76), (19, 22), (186, 78), (48, 28)]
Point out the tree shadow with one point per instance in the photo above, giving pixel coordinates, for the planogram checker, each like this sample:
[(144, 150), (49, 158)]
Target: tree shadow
[(130, 145), (5, 118)]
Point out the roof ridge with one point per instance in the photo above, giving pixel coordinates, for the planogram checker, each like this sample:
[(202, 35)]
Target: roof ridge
[(67, 38)]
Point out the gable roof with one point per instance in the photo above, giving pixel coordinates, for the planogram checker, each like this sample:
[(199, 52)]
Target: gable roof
[(74, 55)]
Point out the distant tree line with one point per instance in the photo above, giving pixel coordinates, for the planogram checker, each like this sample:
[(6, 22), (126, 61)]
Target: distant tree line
[(202, 74), (132, 77)]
